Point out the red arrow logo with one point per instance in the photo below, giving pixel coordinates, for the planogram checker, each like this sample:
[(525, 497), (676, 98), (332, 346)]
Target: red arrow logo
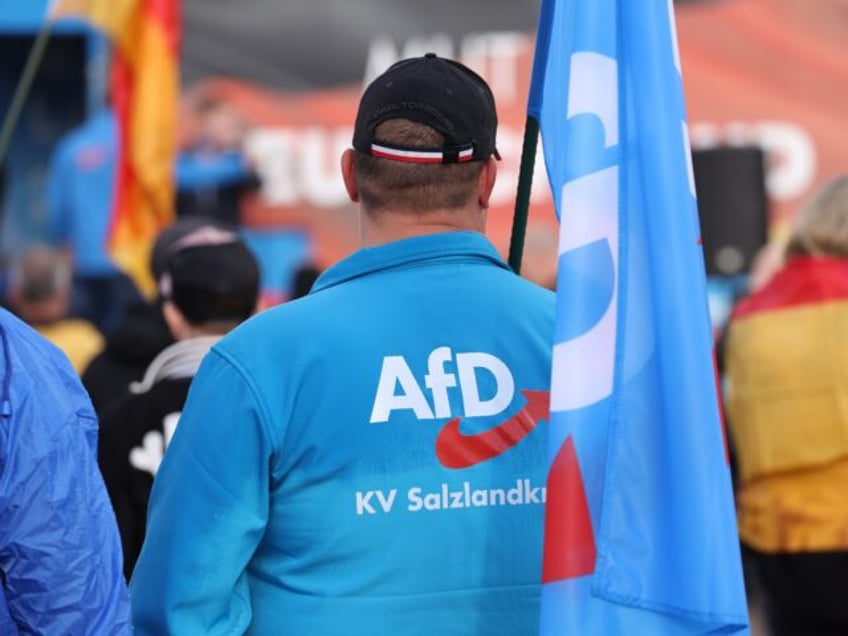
[(570, 550), (456, 450)]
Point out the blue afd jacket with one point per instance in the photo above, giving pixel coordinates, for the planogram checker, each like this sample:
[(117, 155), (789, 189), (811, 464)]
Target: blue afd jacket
[(366, 460), (60, 556), (80, 192)]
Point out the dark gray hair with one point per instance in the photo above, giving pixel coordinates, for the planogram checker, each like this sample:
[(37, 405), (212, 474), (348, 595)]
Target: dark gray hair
[(40, 273)]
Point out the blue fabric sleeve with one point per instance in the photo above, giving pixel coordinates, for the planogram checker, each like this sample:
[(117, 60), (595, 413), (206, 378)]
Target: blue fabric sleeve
[(208, 511), (59, 548)]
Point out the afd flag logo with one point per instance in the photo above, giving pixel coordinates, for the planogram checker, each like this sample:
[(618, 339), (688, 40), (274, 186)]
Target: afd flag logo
[(399, 390), (587, 348), (640, 534), (587, 316)]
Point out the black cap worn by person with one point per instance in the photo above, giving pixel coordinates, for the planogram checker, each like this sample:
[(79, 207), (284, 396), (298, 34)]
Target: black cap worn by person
[(211, 275), (438, 92), (180, 228)]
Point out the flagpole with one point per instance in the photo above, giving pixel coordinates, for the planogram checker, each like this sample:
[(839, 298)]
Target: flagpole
[(36, 54), (522, 196)]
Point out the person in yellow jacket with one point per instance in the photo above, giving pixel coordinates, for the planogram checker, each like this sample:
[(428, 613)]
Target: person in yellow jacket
[(40, 295), (787, 405)]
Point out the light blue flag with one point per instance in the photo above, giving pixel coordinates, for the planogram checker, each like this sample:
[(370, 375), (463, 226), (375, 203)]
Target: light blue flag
[(640, 533)]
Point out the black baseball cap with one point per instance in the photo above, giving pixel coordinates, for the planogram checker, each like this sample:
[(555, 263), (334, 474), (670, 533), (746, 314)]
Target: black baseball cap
[(211, 275), (437, 92), (178, 230)]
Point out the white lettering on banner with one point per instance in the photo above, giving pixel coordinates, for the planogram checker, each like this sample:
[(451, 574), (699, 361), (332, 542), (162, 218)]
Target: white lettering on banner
[(383, 52), (397, 388), (148, 456), (273, 151), (300, 166), (444, 497), (794, 167), (319, 172), (791, 169), (494, 55)]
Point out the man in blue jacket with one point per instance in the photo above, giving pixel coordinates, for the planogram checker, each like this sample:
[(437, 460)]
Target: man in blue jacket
[(80, 193), (370, 459), (60, 556)]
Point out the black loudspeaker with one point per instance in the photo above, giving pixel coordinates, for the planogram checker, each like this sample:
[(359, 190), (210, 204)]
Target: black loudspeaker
[(732, 206)]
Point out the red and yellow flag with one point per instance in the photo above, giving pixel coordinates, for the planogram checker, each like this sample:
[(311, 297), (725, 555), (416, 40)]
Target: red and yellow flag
[(787, 401), (145, 93)]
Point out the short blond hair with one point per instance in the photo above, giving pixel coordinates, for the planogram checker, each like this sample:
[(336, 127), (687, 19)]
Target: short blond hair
[(821, 227)]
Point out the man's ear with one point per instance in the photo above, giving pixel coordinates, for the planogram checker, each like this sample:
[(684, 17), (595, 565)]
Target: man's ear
[(486, 182), (348, 175), (177, 324)]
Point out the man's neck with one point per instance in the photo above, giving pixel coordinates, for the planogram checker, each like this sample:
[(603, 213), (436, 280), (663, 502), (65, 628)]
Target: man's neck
[(386, 227)]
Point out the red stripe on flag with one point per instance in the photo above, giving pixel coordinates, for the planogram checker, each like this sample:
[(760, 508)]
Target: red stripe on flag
[(144, 87), (122, 98), (805, 280), (570, 549), (167, 14)]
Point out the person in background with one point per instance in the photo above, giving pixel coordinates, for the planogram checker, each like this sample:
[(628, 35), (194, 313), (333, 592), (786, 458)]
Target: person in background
[(41, 294), (209, 284), (541, 255), (213, 174), (368, 459), (80, 194), (303, 280), (60, 555), (786, 391), (141, 334), (766, 262), (129, 348)]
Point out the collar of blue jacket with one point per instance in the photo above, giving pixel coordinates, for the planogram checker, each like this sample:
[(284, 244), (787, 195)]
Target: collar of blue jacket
[(460, 245)]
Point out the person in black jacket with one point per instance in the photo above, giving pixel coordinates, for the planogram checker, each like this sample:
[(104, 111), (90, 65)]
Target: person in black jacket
[(209, 285), (142, 332)]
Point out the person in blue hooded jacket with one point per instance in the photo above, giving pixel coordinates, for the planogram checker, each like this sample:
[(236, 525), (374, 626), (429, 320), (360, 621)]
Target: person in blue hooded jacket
[(60, 555), (370, 459)]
